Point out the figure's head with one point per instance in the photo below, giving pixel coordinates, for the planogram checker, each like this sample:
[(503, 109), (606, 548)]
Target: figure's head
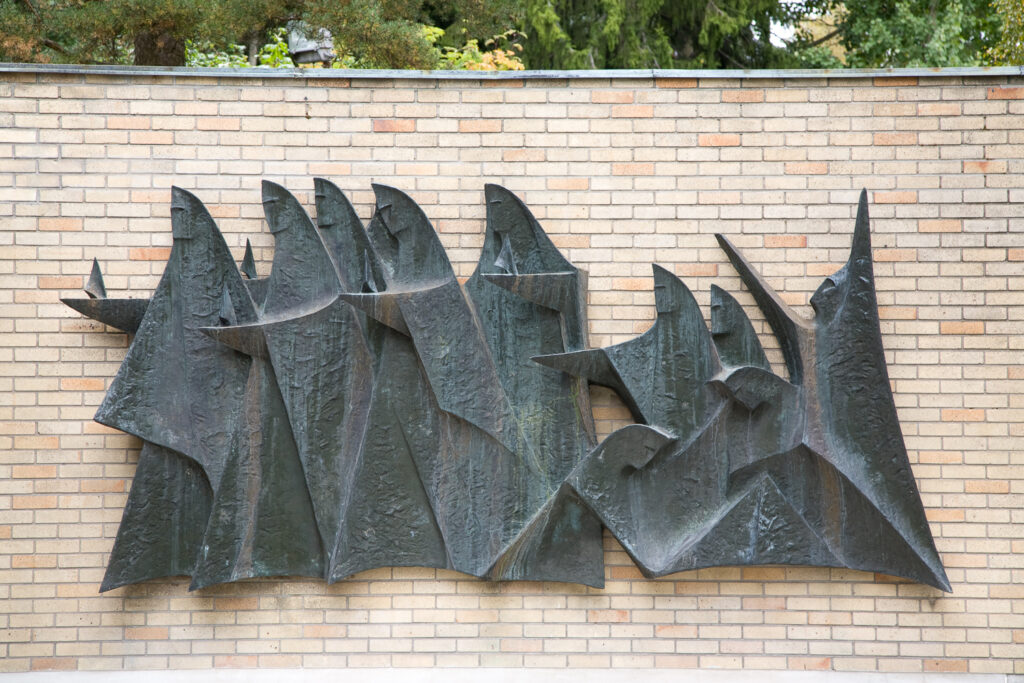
[(852, 286), (513, 233), (670, 294), (188, 215), (405, 241)]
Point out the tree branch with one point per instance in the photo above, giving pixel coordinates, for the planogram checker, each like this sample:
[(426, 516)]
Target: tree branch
[(28, 3), (53, 45), (824, 38)]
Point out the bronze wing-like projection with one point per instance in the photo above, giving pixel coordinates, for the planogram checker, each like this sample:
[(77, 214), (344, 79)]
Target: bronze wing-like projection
[(361, 408)]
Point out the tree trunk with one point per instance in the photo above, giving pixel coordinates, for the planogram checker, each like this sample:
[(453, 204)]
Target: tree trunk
[(159, 47), (254, 48)]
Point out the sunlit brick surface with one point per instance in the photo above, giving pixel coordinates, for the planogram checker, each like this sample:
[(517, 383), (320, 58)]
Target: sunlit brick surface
[(621, 173)]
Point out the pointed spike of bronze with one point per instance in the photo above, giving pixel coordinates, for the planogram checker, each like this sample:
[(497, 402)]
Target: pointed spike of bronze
[(95, 287), (788, 325), (860, 249), (249, 262), (506, 257), (226, 314)]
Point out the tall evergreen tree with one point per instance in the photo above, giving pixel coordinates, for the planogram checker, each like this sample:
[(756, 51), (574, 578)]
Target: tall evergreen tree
[(375, 33)]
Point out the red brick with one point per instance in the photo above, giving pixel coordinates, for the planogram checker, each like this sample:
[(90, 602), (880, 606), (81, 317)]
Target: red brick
[(822, 269), (944, 515), (218, 123), (806, 168), (36, 561), (55, 282), (945, 665), (1006, 93), (128, 122), (633, 284), (896, 197), (633, 169), (33, 442), (963, 415), (236, 662), (568, 183), (898, 255), (480, 126), (82, 384), (901, 138), (612, 97), (60, 224), (809, 663), (524, 155), (625, 572), (34, 502), (503, 83), (102, 485), (394, 125), (696, 269), (985, 166), (151, 196), (962, 327), (940, 225), (987, 486), (33, 471), (897, 313), (618, 616), (743, 95), (938, 109), (675, 82), (632, 111), (236, 604), (54, 664), (149, 253), (895, 81), (718, 140), (785, 241)]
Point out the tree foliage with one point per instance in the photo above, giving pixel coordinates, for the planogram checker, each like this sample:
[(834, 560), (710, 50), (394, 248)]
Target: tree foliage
[(891, 33), (369, 33), (633, 34), (503, 34), (1009, 49)]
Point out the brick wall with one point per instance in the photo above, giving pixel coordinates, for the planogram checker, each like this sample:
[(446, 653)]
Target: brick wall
[(621, 172)]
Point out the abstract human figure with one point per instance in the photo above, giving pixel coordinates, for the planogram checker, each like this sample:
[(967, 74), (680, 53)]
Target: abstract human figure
[(163, 394), (488, 485)]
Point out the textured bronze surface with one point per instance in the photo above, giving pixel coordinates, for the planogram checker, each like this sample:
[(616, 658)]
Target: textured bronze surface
[(360, 408)]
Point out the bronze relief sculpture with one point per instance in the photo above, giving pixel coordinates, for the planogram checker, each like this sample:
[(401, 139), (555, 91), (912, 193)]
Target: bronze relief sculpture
[(361, 408)]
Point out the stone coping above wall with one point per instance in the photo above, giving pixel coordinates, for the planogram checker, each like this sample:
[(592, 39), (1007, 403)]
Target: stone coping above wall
[(614, 74), (507, 675)]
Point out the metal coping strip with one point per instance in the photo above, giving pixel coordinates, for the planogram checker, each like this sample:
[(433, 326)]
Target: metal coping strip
[(605, 74)]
